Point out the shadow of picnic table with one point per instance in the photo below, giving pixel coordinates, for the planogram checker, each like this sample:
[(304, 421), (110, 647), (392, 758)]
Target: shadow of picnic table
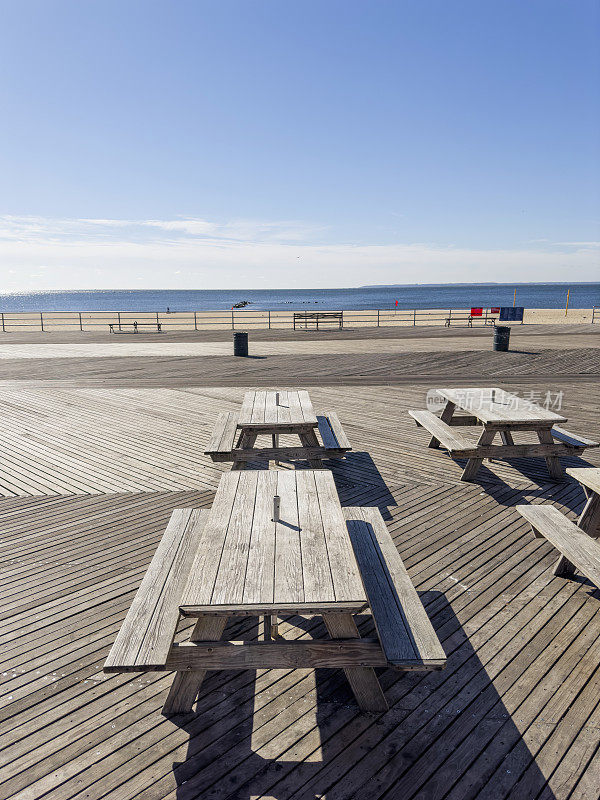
[(298, 735)]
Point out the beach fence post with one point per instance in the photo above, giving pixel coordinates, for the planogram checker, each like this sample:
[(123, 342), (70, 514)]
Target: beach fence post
[(4, 329), (157, 322), (232, 319), (80, 322), (119, 318), (414, 316), (41, 320), (567, 306), (195, 321), (377, 317), (269, 319)]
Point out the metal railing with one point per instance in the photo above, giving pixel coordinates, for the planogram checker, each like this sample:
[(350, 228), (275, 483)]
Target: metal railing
[(123, 321)]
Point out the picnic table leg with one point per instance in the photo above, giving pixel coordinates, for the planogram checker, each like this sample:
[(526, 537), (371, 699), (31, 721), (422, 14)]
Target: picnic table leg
[(473, 464), (245, 442), (589, 520), (552, 462), (186, 685), (365, 684), (445, 416), (507, 437), (275, 442), (309, 439), (271, 627)]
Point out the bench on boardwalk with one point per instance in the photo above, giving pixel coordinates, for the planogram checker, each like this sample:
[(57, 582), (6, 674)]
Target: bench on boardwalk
[(579, 550), (468, 319), (574, 440), (146, 635), (114, 327), (227, 443), (315, 317), (405, 632), (458, 446), (333, 437), (222, 440)]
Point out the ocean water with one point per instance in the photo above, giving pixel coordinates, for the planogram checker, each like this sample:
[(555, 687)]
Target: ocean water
[(530, 295)]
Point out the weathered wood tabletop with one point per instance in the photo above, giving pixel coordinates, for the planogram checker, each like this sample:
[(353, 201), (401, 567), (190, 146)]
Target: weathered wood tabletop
[(272, 410), (254, 560), (496, 407)]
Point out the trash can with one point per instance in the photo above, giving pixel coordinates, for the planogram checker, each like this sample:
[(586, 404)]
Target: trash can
[(240, 343), (501, 337)]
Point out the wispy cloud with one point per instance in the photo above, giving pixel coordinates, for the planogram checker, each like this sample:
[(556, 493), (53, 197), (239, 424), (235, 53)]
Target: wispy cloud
[(151, 230), (576, 244), (186, 252)]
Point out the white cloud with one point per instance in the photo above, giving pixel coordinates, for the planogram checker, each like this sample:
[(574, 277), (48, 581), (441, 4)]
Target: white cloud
[(196, 253), (576, 244), (37, 229)]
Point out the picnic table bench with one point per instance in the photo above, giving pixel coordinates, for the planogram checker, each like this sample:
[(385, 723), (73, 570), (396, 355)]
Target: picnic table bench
[(502, 413), (579, 544), (318, 316), (275, 543), (274, 413)]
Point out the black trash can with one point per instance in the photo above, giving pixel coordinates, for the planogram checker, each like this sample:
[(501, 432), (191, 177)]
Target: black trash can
[(501, 337), (240, 343)]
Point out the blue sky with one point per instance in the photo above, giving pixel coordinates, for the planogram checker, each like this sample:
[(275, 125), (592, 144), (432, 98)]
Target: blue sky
[(207, 144)]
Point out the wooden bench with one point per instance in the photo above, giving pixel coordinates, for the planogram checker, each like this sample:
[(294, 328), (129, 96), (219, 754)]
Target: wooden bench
[(580, 550), (318, 316), (572, 439), (405, 632), (222, 440), (135, 326), (332, 434), (468, 320), (145, 638), (458, 446)]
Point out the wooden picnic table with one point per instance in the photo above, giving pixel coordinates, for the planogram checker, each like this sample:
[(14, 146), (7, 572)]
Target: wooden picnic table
[(276, 543), (276, 412), (502, 413)]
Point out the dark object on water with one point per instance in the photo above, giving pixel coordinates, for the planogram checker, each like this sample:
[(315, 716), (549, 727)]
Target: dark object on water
[(511, 313), (241, 304), (501, 337), (240, 343)]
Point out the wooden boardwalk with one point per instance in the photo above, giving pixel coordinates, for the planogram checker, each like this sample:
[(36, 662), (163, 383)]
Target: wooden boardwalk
[(91, 466)]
